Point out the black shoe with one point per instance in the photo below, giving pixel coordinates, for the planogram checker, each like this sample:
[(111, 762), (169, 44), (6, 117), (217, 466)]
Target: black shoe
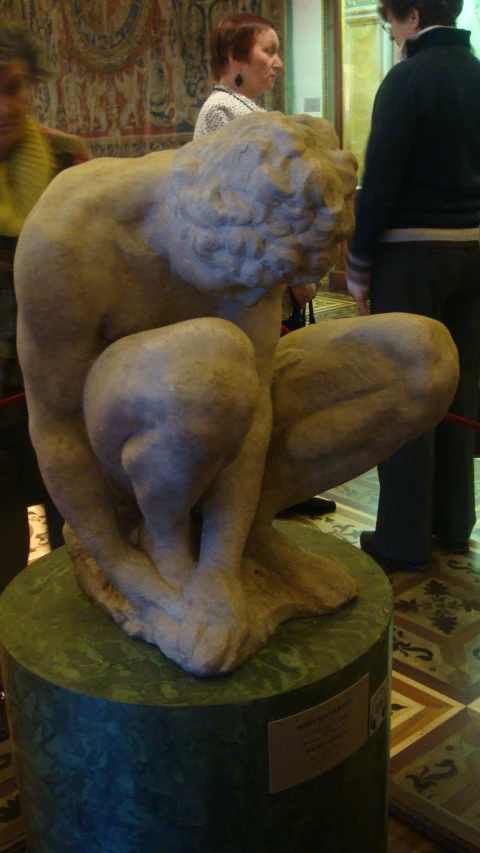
[(454, 547), (388, 565), (311, 507)]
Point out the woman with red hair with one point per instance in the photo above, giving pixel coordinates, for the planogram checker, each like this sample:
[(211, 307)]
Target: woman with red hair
[(244, 61)]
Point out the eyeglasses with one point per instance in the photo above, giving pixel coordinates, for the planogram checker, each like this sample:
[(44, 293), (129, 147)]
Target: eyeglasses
[(387, 28)]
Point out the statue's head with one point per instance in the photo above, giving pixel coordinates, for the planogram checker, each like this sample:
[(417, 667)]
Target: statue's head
[(264, 200)]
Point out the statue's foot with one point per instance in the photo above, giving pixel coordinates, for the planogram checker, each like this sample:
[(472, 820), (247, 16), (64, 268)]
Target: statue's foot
[(319, 582), (219, 617), (214, 636), (135, 587), (204, 627), (174, 556)]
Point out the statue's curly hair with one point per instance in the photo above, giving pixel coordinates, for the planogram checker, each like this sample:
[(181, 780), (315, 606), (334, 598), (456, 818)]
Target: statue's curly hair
[(263, 200)]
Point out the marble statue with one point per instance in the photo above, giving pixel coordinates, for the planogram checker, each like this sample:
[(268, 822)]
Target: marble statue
[(170, 422)]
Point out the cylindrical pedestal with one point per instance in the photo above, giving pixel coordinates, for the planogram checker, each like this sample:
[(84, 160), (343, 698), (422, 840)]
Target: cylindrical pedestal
[(120, 751)]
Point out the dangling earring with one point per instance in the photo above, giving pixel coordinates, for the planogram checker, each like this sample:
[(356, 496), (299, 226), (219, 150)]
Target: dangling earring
[(238, 80)]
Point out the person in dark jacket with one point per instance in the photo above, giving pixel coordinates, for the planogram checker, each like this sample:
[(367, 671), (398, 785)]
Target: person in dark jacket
[(30, 156), (416, 249)]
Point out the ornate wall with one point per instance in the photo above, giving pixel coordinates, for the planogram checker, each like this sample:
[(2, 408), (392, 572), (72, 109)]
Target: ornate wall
[(367, 58), (129, 75)]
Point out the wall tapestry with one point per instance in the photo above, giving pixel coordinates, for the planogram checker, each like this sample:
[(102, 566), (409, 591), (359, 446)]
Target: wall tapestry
[(129, 75)]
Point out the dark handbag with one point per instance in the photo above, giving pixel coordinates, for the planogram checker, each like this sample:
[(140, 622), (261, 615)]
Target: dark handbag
[(298, 317)]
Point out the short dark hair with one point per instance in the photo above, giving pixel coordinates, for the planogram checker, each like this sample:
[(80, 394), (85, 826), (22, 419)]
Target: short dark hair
[(431, 12), (17, 42), (235, 34)]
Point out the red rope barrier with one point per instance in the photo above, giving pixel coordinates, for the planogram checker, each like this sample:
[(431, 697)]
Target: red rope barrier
[(456, 419), (7, 400)]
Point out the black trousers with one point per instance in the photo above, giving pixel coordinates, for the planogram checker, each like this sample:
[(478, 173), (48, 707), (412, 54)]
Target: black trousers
[(428, 486)]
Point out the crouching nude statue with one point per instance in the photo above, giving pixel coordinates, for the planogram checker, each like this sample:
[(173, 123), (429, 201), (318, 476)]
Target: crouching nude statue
[(170, 422)]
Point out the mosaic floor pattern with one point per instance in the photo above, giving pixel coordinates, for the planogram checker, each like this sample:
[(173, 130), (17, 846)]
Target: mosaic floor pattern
[(435, 745), (435, 748), (333, 306)]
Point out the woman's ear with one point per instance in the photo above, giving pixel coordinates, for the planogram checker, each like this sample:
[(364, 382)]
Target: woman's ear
[(415, 18)]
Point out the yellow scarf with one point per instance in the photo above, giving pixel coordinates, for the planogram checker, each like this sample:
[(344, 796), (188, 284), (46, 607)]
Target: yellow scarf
[(23, 178)]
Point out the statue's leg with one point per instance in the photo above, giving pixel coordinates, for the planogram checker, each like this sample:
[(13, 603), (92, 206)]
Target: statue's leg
[(164, 416), (167, 412), (346, 394)]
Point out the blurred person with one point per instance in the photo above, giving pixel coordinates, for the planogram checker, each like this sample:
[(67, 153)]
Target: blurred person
[(416, 249), (30, 157)]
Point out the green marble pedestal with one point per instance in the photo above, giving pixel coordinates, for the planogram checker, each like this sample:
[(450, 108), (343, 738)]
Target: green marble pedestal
[(120, 751)]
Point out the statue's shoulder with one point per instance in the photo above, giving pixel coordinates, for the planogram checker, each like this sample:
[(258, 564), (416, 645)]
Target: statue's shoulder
[(68, 150)]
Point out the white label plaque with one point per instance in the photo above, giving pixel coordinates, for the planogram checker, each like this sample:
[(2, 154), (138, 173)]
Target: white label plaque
[(310, 743)]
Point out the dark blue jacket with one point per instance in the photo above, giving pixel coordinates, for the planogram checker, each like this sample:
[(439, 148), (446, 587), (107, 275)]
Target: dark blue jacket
[(422, 166)]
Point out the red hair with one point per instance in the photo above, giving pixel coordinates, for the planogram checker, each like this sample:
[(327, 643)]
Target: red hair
[(235, 35)]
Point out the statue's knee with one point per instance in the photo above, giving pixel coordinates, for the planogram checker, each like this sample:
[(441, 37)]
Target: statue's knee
[(431, 359), (423, 367), (195, 381), (226, 371)]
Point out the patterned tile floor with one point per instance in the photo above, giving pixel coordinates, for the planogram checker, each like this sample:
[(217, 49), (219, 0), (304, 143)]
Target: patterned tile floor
[(435, 746), (333, 306), (435, 750)]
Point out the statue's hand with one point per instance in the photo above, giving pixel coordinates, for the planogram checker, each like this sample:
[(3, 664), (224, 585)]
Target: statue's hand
[(214, 635)]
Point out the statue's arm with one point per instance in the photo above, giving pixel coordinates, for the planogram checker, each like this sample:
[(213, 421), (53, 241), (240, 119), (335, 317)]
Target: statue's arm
[(54, 371), (230, 503)]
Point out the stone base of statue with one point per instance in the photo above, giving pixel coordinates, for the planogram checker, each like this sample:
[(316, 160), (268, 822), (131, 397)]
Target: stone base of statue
[(118, 750)]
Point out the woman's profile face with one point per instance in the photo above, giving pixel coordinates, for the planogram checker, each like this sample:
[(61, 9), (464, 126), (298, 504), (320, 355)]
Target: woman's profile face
[(14, 98), (260, 70), (402, 30)]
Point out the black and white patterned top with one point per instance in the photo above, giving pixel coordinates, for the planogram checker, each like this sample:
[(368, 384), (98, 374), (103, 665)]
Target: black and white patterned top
[(223, 105)]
